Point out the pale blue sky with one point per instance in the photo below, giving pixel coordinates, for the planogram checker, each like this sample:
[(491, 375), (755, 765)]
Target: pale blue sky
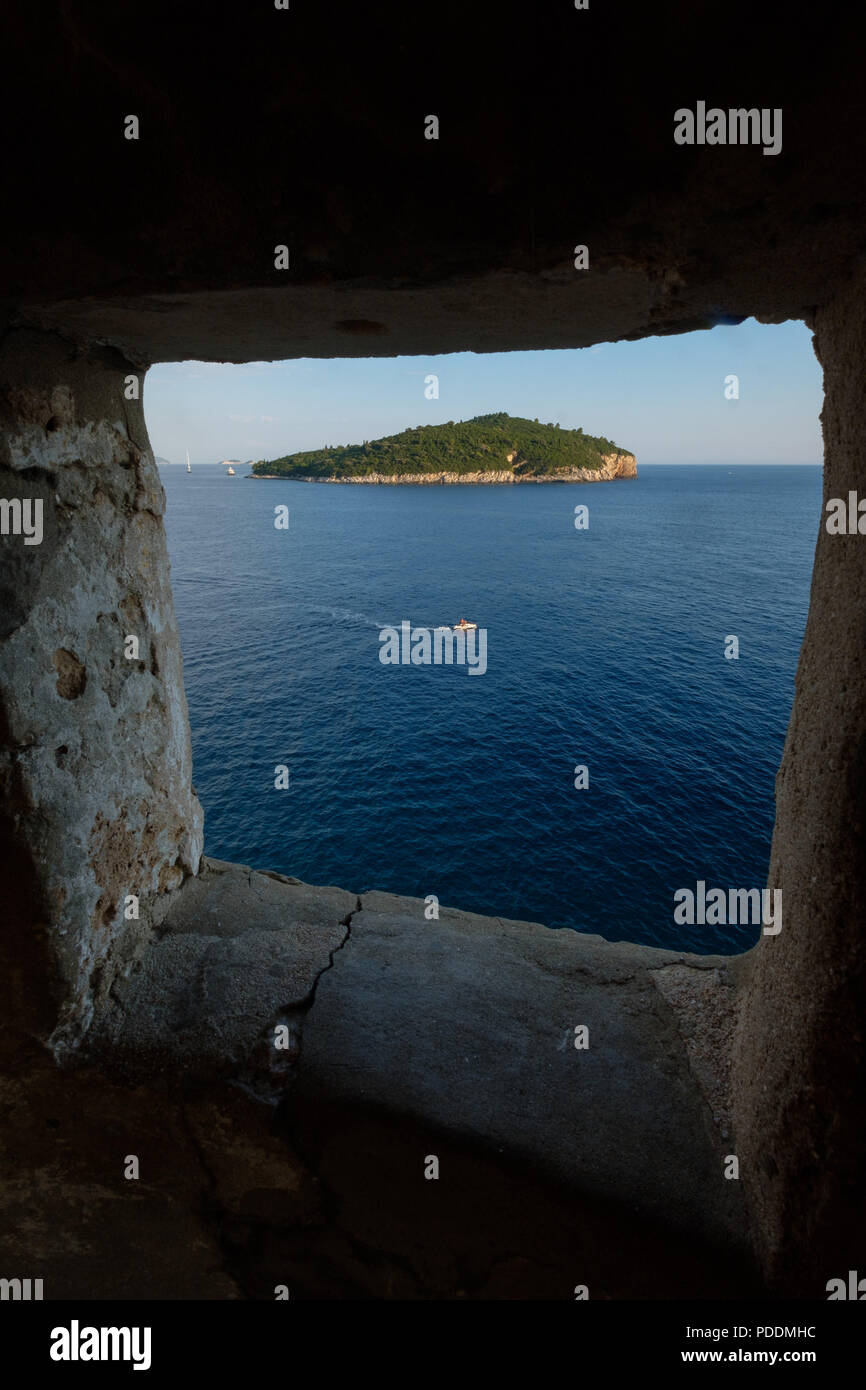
[(663, 398)]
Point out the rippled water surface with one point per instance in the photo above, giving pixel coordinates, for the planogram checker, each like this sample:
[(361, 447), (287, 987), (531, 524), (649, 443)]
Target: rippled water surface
[(605, 647)]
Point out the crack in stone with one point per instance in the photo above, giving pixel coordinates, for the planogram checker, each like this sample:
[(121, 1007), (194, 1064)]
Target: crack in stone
[(711, 964), (347, 923), (261, 1080)]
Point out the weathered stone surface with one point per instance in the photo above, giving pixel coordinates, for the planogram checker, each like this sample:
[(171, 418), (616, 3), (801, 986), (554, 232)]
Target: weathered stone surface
[(330, 1200), (411, 1037), (70, 1217), (706, 1004), (227, 899), (800, 1070), (241, 953), (490, 1227), (96, 765), (466, 1024), (400, 244)]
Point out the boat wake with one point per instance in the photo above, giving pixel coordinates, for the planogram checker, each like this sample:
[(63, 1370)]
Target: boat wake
[(343, 615)]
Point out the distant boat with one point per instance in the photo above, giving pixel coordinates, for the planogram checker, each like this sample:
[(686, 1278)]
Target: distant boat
[(188, 469), (462, 626), (230, 472)]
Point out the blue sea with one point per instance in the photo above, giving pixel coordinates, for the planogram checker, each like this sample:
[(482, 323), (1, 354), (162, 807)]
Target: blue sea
[(605, 649)]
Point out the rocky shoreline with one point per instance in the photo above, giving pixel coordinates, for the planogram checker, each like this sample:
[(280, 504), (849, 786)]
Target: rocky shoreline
[(617, 465)]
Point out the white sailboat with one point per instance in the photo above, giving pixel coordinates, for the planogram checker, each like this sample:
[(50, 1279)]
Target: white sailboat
[(188, 469), (230, 472)]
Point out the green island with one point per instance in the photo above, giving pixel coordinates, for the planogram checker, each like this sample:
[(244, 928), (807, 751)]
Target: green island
[(494, 448)]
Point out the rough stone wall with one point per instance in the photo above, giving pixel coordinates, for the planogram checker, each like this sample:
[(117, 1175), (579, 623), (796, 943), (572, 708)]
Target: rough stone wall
[(96, 763), (401, 244), (799, 1069), (465, 243)]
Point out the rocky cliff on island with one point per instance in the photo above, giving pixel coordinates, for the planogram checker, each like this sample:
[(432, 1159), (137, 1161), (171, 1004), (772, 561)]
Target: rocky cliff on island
[(486, 449)]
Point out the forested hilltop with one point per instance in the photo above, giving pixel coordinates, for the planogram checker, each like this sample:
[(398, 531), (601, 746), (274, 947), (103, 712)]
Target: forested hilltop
[(485, 444)]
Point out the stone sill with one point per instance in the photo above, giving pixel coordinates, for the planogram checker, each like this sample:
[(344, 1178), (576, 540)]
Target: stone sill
[(463, 1025)]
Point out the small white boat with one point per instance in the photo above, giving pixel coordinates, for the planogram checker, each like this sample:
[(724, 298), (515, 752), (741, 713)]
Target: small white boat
[(463, 626), (230, 472), (188, 469)]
